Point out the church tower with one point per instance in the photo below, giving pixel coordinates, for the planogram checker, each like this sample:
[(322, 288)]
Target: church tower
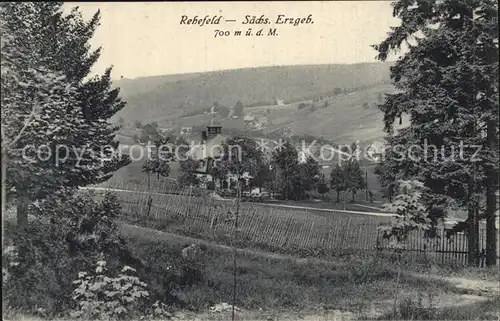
[(214, 128)]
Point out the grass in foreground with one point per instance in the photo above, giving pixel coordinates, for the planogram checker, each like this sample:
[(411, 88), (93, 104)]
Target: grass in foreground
[(413, 310), (285, 287), (279, 283)]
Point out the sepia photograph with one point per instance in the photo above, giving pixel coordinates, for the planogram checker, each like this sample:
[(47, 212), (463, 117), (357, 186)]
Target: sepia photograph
[(250, 160)]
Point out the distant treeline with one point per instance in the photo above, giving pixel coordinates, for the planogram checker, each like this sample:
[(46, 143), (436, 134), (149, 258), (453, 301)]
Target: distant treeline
[(225, 111), (335, 92)]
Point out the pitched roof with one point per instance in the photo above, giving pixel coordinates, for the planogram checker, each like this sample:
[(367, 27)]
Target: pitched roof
[(214, 123), (211, 149)]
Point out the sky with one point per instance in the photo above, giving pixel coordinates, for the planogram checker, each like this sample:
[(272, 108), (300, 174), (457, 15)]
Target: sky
[(145, 39)]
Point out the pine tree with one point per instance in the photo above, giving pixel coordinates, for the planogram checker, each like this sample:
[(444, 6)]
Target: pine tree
[(287, 161), (241, 155), (448, 84), (188, 170), (27, 123), (387, 169), (264, 176), (322, 186), (309, 174), (48, 55), (238, 109), (337, 180), (353, 175)]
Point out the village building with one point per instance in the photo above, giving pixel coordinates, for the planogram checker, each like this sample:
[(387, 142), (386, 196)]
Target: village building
[(248, 118), (165, 131), (186, 130), (207, 151)]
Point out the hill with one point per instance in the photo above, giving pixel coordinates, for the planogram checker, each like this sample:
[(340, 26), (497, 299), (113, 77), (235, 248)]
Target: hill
[(169, 97), (342, 119)]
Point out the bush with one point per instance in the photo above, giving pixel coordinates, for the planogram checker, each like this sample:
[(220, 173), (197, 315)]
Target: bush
[(170, 269), (37, 269), (211, 185), (41, 261), (102, 296)]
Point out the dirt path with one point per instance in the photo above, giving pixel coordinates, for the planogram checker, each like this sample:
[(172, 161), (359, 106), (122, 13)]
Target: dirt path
[(131, 229), (470, 289), (469, 286)]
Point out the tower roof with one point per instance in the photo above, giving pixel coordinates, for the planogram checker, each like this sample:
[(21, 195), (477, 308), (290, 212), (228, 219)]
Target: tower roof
[(214, 123)]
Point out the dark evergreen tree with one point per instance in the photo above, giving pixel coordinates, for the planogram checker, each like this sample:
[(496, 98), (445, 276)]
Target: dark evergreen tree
[(337, 180), (309, 175), (264, 177), (188, 176), (448, 85), (287, 162), (67, 110), (353, 175), (322, 185), (238, 109)]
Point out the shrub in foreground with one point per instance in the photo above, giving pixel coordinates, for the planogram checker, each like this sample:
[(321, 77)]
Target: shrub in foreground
[(101, 295), (40, 262)]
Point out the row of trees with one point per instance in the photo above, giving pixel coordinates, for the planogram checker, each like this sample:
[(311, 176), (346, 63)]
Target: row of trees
[(294, 178), (221, 109), (149, 132), (347, 177), (282, 172), (448, 85)]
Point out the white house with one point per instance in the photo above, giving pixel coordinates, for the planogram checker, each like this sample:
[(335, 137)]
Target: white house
[(186, 130), (248, 118)]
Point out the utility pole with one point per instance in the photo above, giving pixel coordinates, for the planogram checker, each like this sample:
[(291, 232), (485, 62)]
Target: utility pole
[(235, 252), (366, 185)]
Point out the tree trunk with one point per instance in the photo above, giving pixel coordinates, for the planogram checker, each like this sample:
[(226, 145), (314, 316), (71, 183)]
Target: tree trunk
[(338, 196), (491, 198), (4, 185), (22, 213), (491, 231), (287, 188), (238, 198), (353, 194), (470, 237), (472, 233)]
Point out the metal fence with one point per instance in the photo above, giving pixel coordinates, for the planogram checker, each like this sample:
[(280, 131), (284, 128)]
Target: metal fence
[(441, 248)]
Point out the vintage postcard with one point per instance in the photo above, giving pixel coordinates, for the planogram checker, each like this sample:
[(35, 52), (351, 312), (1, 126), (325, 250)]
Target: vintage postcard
[(250, 160)]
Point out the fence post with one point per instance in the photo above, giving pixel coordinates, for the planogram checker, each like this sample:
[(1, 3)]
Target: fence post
[(377, 245), (498, 244), (443, 243), (366, 187), (344, 236)]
